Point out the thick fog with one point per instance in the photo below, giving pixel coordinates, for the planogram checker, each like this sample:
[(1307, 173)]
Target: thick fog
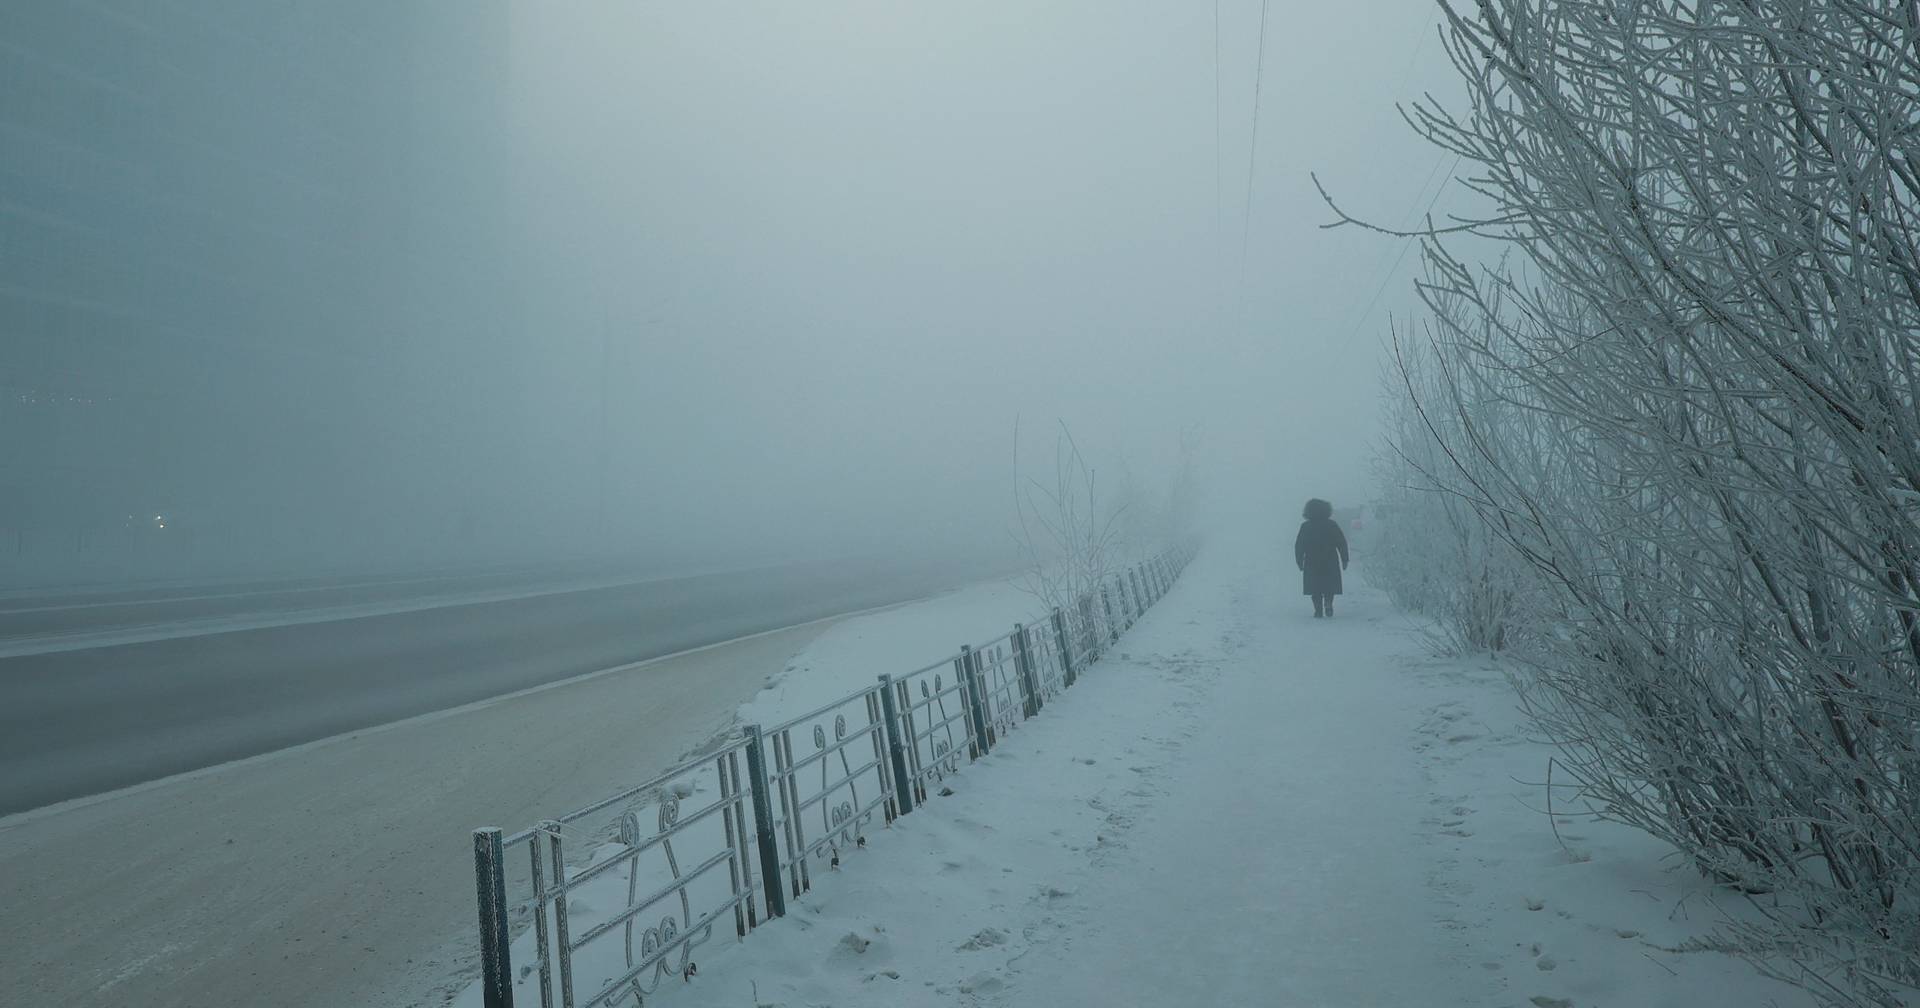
[(834, 250), (702, 283)]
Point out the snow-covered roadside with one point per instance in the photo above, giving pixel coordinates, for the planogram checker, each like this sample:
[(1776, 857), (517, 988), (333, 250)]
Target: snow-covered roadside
[(1241, 805), (850, 655)]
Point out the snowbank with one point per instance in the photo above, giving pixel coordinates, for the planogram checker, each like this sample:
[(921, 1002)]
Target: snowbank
[(850, 655)]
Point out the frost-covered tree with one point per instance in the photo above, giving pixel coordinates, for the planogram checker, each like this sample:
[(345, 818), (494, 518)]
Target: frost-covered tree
[(1071, 533), (1079, 537), (1433, 553), (1709, 453)]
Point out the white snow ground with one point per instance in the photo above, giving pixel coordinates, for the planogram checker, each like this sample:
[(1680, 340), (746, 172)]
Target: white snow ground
[(1241, 805), (852, 653)]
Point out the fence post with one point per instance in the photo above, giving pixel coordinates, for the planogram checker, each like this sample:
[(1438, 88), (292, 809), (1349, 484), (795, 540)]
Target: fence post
[(970, 668), (1066, 651), (897, 753), (490, 878), (1023, 664), (977, 746), (1106, 601), (763, 824), (1133, 574)]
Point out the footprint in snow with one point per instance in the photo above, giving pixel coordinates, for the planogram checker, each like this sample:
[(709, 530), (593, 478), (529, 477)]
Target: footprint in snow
[(985, 938)]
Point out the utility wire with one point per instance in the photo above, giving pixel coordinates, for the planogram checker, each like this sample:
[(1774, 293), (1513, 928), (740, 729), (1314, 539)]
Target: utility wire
[(1414, 57), (1219, 185), (1219, 198), (1406, 73), (1407, 217), (1253, 148), (1405, 244)]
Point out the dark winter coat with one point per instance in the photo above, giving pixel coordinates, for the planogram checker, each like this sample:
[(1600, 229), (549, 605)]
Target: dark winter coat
[(1321, 551)]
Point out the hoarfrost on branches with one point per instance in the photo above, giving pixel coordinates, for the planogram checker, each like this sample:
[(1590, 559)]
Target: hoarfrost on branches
[(1689, 406)]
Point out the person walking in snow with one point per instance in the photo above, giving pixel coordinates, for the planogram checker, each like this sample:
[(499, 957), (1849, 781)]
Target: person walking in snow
[(1320, 550)]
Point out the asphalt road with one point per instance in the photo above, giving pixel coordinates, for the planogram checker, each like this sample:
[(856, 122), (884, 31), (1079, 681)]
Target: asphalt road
[(80, 722), (26, 616), (338, 873)]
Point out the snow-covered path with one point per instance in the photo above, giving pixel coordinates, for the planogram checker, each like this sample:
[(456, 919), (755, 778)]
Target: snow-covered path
[(1280, 862), (1241, 805)]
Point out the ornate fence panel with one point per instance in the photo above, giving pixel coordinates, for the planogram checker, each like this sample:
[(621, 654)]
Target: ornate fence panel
[(1000, 681), (936, 723), (615, 897), (833, 787), (1043, 654), (1090, 635), (605, 903)]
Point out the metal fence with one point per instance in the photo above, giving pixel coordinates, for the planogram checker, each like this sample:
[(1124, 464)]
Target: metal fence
[(612, 900)]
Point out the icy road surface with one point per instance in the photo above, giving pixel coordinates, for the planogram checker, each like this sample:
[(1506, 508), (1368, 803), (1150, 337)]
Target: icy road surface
[(81, 721)]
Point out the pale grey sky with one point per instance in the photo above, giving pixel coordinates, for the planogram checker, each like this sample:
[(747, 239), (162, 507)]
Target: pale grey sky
[(840, 245)]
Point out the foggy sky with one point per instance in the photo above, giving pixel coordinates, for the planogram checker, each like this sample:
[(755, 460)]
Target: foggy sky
[(834, 249), (365, 285)]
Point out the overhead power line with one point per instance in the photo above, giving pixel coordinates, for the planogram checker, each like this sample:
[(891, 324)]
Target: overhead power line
[(1253, 147), (1406, 73), (1405, 244), (1219, 198)]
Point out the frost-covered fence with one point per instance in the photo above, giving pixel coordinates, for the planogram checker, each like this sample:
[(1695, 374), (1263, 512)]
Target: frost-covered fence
[(600, 906)]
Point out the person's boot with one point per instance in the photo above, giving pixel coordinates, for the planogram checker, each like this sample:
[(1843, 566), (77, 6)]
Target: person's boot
[(1317, 610), (1329, 607)]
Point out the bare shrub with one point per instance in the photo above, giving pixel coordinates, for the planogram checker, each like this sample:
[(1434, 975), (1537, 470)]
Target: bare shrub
[(1708, 446)]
